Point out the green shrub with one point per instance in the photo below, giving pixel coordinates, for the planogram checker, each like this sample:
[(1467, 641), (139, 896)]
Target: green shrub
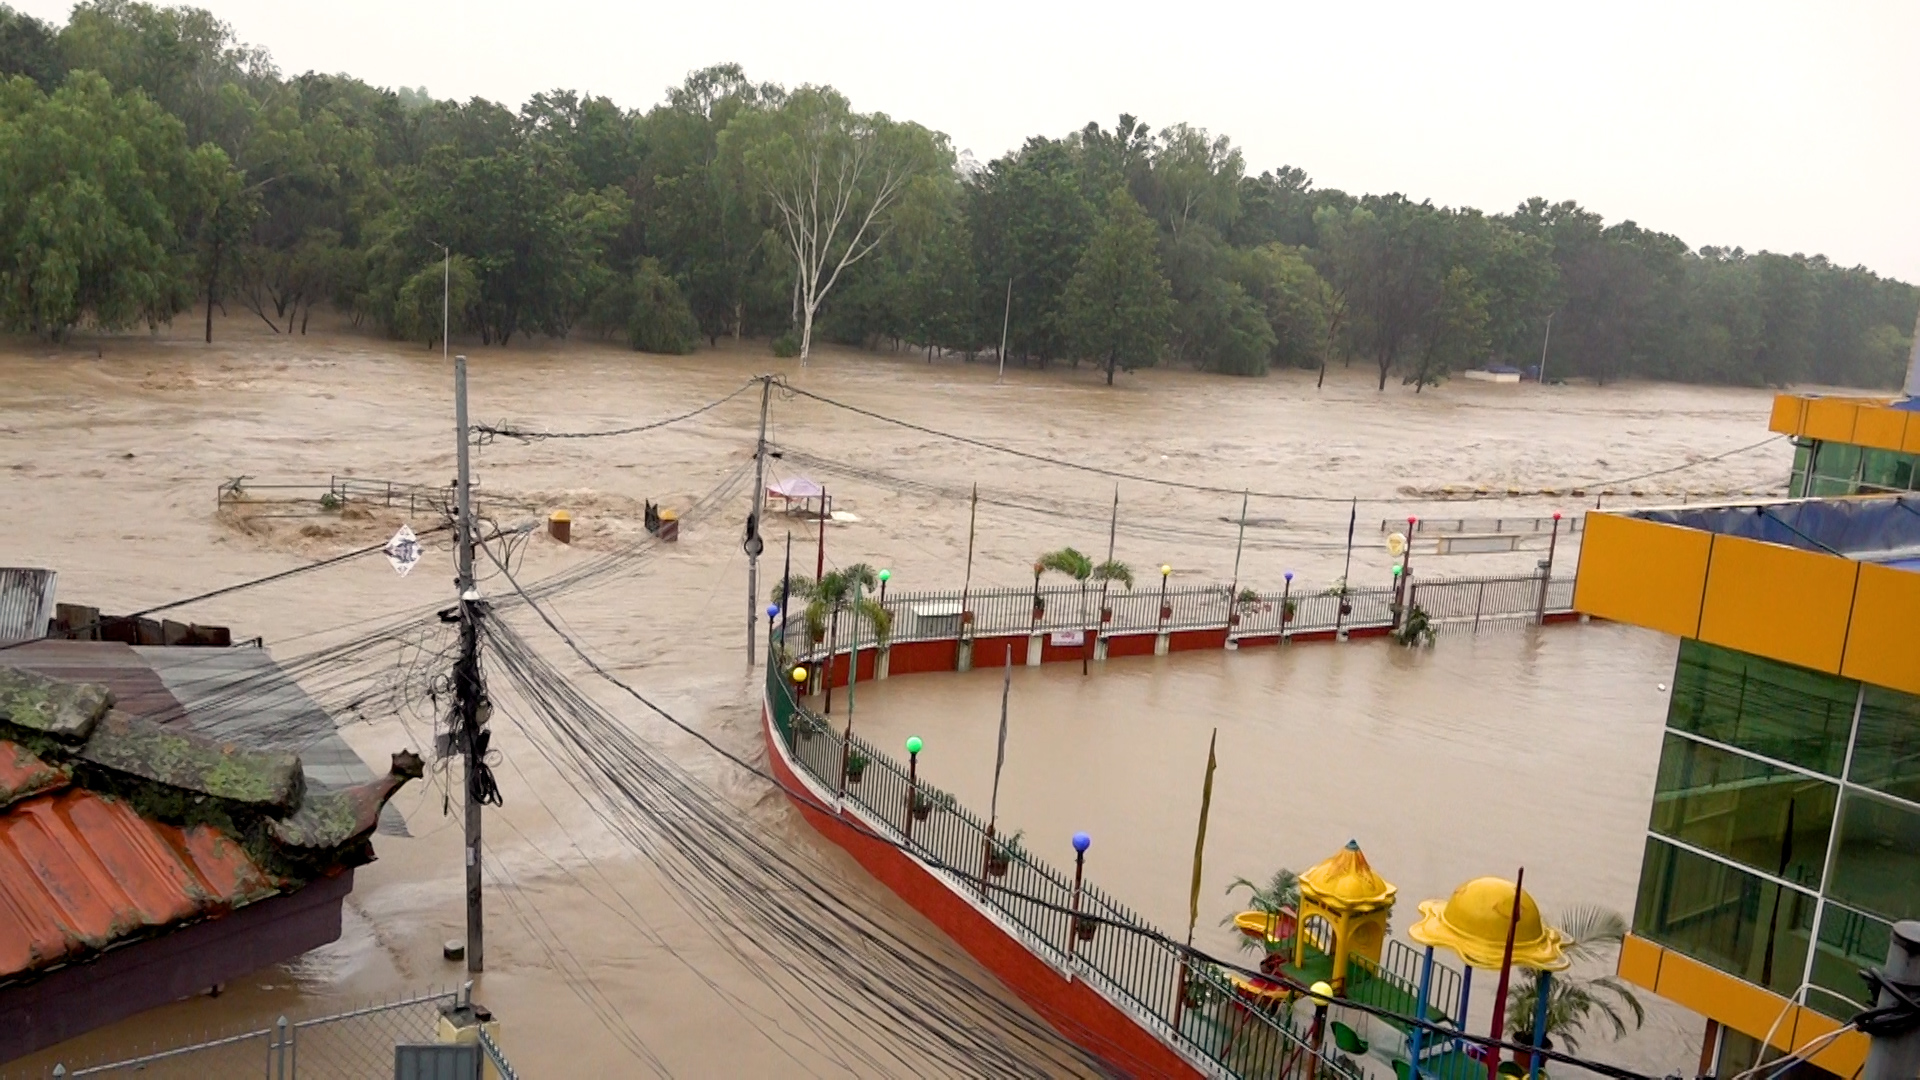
[(787, 345), (660, 320)]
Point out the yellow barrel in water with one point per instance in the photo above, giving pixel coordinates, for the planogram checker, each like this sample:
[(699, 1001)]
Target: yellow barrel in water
[(560, 526)]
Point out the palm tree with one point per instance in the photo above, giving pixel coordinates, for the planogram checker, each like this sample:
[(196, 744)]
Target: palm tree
[(1082, 569), (1575, 1004), (833, 593), (1279, 896)]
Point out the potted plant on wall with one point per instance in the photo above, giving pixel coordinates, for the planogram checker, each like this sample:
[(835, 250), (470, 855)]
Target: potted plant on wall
[(921, 807), (1288, 610), (1000, 857), (1084, 927), (1341, 590), (856, 766)]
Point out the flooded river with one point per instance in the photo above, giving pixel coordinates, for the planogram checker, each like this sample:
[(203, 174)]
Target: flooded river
[(1530, 747)]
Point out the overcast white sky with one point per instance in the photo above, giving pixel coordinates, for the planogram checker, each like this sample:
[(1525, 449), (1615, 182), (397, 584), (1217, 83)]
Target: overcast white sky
[(1763, 124)]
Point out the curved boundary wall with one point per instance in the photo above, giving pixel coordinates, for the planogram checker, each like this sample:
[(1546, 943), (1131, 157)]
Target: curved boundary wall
[(957, 631)]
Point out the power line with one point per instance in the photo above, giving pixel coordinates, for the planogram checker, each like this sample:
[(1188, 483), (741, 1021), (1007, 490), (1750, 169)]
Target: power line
[(1204, 488), (255, 583), (487, 432)]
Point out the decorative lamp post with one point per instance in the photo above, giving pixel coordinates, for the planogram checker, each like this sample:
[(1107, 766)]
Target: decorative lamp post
[(1322, 996), (914, 810), (1081, 929), (773, 613), (1166, 611), (885, 575), (1286, 612)]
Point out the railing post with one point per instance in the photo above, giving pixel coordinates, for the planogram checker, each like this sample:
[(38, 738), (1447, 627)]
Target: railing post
[(277, 1059), (1546, 573)]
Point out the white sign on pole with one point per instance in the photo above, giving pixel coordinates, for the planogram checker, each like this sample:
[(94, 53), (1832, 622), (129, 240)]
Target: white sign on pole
[(403, 550)]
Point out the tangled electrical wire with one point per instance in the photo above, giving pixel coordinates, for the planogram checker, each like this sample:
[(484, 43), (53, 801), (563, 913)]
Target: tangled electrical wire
[(838, 958)]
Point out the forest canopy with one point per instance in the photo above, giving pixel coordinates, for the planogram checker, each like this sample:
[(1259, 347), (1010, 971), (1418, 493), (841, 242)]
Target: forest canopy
[(156, 164)]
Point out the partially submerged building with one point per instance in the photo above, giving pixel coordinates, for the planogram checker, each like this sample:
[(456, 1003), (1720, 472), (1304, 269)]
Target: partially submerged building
[(1784, 838), (143, 859)]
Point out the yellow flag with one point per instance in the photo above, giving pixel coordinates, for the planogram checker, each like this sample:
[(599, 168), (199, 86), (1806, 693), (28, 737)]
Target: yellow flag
[(1200, 841)]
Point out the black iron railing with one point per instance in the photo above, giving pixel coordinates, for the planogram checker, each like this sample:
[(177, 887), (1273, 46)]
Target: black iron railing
[(1190, 1006)]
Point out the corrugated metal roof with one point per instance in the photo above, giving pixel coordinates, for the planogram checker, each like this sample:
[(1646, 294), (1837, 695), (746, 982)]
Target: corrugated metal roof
[(26, 603), (234, 695), (81, 871)]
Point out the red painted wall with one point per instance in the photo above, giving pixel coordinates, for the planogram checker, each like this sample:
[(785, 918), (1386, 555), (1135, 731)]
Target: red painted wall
[(914, 657), (1183, 640), (1130, 645), (1062, 654), (868, 658), (1073, 1008), (991, 652)]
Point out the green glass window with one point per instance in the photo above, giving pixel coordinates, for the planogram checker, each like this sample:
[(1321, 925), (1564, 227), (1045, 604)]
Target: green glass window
[(1772, 819), (1885, 470), (1779, 711), (1836, 464), (1876, 861), (1886, 752), (1802, 457), (1724, 916), (1848, 942)]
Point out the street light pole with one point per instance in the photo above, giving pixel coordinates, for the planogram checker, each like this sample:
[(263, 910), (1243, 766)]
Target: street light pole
[(1543, 347), (1006, 320)]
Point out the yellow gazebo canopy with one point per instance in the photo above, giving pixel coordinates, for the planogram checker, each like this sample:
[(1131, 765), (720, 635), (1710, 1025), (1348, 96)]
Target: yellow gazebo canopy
[(1355, 902), (1473, 923)]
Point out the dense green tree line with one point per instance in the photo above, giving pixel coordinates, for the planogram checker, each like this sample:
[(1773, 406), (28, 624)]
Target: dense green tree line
[(149, 163)]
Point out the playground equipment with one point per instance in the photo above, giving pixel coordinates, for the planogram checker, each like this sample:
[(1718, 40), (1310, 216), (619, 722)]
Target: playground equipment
[(1491, 924), (1354, 902)]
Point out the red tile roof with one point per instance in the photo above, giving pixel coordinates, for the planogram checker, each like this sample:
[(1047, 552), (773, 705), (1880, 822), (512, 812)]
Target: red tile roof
[(80, 871)]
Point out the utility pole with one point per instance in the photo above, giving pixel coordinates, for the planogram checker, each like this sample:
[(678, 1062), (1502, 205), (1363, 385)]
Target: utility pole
[(466, 671), (1897, 1057), (1545, 338), (754, 545), (1006, 320)]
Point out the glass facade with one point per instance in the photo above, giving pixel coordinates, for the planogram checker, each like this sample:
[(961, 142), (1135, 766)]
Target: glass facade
[(1767, 818), (1721, 915), (1824, 469), (1785, 833), (1876, 859), (1774, 710)]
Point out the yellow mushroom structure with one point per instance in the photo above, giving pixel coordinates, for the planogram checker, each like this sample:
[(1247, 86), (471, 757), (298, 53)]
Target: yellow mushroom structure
[(1473, 923)]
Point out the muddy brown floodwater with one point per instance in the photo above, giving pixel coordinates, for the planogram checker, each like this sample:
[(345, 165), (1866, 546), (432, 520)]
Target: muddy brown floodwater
[(1532, 748)]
